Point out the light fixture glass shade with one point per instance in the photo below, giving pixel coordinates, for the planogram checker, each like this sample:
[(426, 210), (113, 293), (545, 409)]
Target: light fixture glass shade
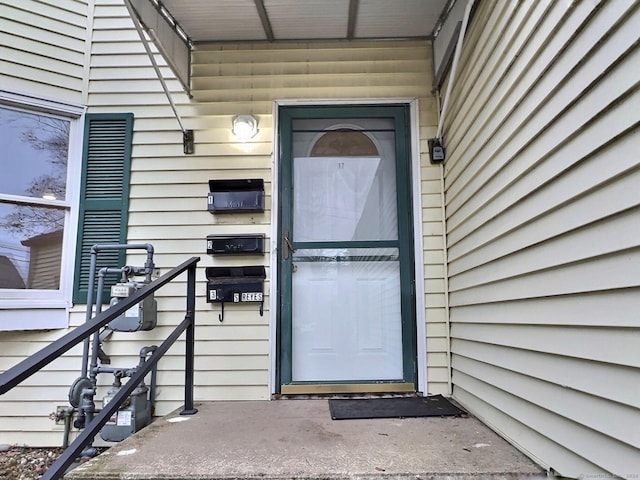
[(244, 127)]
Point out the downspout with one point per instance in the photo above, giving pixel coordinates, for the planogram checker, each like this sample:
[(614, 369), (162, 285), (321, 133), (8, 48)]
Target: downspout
[(454, 66), (443, 112)]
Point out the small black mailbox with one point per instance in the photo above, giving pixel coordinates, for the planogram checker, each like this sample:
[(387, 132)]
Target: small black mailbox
[(235, 244), (236, 285), (229, 196)]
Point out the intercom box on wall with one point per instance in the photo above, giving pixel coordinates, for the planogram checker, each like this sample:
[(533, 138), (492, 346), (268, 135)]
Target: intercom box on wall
[(231, 196)]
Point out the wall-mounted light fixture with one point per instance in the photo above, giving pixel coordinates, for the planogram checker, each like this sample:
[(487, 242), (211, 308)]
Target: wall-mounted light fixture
[(244, 127)]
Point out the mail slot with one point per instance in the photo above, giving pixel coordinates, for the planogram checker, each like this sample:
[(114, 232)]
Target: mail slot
[(229, 196), (235, 284), (235, 244)]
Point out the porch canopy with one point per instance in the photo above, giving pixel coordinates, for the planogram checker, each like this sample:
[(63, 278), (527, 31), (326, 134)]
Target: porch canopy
[(175, 26)]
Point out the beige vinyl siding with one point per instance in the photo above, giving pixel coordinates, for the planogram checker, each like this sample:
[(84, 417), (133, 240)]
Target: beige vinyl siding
[(168, 189), (248, 77), (25, 410), (543, 230), (42, 52), (168, 202), (42, 48)]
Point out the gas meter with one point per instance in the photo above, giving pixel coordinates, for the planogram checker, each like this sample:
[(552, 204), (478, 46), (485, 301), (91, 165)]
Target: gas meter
[(142, 316), (133, 415)]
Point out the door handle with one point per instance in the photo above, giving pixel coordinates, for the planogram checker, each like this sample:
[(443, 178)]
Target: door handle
[(286, 246)]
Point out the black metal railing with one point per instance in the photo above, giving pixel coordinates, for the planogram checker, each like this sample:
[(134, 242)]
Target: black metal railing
[(15, 375)]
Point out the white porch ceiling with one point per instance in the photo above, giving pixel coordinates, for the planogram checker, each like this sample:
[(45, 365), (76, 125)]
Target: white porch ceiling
[(176, 25), (273, 20)]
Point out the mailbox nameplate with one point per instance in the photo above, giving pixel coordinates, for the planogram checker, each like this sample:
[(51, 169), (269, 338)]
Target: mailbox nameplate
[(235, 292)]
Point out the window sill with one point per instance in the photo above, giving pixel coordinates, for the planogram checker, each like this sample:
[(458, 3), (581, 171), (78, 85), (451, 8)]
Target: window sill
[(33, 319)]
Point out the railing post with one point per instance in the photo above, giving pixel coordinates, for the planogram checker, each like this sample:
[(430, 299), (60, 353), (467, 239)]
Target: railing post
[(190, 343)]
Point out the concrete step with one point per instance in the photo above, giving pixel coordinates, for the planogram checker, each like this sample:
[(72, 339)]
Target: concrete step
[(288, 439)]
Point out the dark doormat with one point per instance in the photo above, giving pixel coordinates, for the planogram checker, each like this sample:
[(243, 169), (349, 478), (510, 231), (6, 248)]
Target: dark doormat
[(401, 407)]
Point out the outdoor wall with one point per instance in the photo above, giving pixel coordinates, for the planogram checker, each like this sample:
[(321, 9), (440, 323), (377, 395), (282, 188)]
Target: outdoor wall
[(245, 78), (542, 206), (168, 201), (42, 54), (168, 188), (42, 48)]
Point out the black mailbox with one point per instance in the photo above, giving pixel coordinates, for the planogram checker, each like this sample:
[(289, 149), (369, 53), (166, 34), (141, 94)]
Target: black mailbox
[(229, 196), (236, 285), (235, 244)]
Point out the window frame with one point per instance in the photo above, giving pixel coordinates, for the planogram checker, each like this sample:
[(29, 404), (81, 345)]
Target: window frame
[(52, 300)]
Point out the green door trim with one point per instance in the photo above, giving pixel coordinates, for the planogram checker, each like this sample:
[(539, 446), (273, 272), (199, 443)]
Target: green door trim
[(405, 243)]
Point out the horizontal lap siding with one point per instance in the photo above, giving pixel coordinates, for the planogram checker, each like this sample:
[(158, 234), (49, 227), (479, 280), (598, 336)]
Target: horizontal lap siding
[(42, 48), (42, 53), (168, 188), (168, 208), (543, 225), (25, 410)]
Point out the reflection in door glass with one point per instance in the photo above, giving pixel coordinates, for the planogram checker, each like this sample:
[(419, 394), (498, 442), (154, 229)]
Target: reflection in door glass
[(344, 180)]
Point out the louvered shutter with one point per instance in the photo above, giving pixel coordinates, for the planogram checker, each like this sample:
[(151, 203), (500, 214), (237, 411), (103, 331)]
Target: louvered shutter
[(104, 196)]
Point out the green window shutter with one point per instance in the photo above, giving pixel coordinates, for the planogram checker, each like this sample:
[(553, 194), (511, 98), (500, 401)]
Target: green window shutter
[(104, 196)]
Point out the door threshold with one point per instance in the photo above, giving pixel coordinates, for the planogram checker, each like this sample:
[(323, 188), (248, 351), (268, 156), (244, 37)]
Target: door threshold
[(347, 388)]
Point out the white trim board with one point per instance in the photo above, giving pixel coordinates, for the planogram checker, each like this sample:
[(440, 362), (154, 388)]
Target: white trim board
[(421, 348)]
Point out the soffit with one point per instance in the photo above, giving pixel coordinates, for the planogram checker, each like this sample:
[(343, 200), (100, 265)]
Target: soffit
[(255, 20)]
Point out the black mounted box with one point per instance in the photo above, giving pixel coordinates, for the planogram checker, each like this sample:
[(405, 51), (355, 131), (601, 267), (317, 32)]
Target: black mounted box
[(235, 284), (230, 196), (235, 244), (436, 150)]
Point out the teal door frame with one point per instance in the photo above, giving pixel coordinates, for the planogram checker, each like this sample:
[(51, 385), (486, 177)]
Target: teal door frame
[(400, 113)]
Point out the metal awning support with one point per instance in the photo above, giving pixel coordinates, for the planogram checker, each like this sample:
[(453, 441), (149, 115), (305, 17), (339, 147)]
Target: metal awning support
[(436, 148), (454, 66), (351, 23), (187, 135), (264, 18)]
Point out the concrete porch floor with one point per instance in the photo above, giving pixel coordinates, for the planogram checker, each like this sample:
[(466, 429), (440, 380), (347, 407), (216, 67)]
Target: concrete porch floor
[(298, 439)]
